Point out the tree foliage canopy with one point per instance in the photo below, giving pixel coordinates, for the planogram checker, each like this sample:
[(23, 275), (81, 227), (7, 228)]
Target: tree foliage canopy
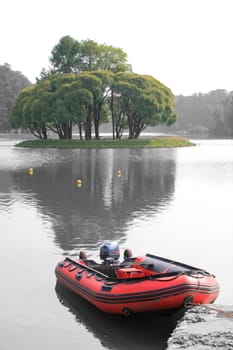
[(71, 56), (88, 84), (11, 83), (143, 101), (87, 99), (210, 113)]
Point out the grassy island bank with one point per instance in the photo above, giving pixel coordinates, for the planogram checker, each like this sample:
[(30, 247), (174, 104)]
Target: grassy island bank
[(158, 142)]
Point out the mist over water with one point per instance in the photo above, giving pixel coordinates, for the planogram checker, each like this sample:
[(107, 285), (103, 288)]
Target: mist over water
[(175, 203)]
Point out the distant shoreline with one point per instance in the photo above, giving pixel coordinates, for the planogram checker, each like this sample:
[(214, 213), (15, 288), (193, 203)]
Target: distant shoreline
[(153, 142)]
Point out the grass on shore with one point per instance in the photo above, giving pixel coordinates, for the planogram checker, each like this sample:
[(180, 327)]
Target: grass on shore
[(158, 142)]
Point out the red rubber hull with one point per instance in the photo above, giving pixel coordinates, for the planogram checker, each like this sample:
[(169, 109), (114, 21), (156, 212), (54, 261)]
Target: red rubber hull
[(120, 296)]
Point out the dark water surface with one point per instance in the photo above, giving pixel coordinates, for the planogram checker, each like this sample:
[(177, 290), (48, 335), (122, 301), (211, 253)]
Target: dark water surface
[(170, 202)]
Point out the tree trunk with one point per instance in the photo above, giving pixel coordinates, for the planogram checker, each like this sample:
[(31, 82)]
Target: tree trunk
[(131, 127), (96, 125), (70, 129), (44, 133), (80, 132), (113, 116), (87, 129)]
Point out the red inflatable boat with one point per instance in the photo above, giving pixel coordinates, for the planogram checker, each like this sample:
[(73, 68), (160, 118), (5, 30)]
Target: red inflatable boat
[(138, 284)]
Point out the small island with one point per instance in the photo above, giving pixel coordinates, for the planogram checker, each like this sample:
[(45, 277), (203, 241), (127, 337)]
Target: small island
[(156, 142)]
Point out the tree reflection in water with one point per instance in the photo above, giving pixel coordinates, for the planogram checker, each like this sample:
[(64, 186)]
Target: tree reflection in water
[(105, 204)]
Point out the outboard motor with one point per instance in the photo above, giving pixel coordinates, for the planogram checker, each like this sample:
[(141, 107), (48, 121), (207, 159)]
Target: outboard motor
[(109, 252)]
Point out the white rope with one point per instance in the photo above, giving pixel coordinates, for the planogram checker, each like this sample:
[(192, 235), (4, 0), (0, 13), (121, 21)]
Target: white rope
[(220, 311)]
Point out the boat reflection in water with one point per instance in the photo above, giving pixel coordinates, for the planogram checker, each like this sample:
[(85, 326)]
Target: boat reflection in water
[(139, 331)]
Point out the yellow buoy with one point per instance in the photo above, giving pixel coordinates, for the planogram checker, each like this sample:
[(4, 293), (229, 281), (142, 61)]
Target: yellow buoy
[(119, 173), (30, 171), (79, 183)]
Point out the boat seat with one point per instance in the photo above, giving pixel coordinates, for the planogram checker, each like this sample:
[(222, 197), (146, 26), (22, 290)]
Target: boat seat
[(103, 268)]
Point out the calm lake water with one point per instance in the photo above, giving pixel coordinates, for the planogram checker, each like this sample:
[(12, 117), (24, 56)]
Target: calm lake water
[(175, 203)]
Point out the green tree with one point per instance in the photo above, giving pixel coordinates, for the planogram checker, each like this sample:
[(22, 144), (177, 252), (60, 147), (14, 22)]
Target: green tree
[(78, 101), (89, 82), (71, 56), (28, 113), (94, 85), (144, 101), (65, 56), (38, 108), (61, 101), (95, 57), (11, 83), (70, 102), (204, 113)]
